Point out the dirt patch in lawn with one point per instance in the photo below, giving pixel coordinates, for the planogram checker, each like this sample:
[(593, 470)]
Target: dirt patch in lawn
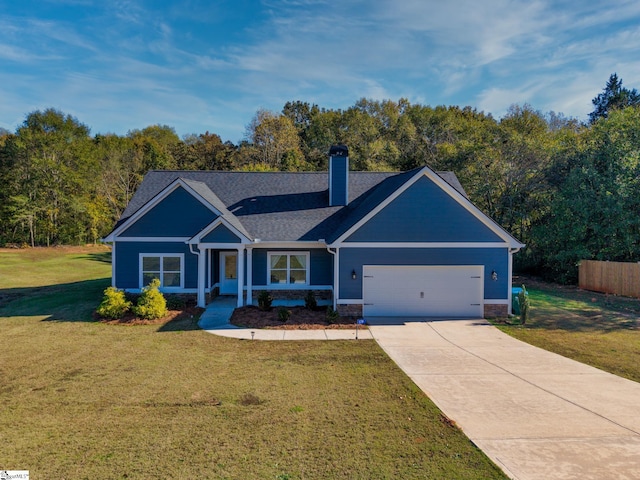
[(300, 318)]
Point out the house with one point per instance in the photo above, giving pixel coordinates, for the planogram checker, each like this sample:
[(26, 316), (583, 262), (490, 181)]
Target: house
[(375, 244)]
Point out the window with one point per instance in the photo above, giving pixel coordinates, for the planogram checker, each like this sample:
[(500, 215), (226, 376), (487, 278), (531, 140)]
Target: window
[(288, 268), (165, 267)]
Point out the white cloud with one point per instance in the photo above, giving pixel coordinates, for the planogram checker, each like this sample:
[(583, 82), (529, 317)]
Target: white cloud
[(129, 61), (17, 54), (61, 32), (130, 11), (497, 100)]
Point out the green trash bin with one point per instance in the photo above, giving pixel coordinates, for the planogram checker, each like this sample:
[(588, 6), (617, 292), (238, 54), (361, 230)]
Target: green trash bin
[(515, 300)]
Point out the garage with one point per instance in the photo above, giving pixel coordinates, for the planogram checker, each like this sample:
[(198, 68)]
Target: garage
[(423, 291)]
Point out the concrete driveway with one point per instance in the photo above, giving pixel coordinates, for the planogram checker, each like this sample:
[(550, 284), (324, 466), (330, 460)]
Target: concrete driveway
[(534, 413)]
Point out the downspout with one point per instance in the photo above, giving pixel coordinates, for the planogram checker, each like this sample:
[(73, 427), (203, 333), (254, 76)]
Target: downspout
[(509, 295), (201, 288), (335, 277), (191, 249)]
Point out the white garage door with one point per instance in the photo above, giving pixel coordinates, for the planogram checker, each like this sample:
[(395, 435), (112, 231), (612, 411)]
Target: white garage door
[(417, 291)]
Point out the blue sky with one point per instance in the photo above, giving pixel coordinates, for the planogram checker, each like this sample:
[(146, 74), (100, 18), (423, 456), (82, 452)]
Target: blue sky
[(199, 65)]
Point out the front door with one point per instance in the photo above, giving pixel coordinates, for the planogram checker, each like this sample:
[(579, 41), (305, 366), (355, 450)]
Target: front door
[(228, 273)]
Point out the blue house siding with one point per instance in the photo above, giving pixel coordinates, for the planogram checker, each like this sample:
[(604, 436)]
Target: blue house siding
[(178, 215), (492, 258), (424, 213), (220, 234), (128, 257), (321, 265)]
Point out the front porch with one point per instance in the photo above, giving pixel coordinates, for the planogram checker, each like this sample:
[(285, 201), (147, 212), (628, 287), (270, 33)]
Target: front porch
[(221, 271), (244, 270)]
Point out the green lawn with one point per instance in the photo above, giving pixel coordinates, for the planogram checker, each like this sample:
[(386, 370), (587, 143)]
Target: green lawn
[(596, 329), (82, 399)]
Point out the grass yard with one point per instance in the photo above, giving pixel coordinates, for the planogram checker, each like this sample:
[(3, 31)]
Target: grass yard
[(593, 328), (82, 399)]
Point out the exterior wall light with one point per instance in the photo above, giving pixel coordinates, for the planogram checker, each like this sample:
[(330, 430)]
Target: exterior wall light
[(353, 274), (494, 275)]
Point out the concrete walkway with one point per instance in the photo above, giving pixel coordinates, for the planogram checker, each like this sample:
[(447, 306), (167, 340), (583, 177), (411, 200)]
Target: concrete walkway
[(215, 319), (535, 414)]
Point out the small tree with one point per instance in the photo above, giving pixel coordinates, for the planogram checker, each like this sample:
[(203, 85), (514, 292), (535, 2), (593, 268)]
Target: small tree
[(332, 315), (284, 314), (151, 304), (264, 300), (114, 304), (310, 302)]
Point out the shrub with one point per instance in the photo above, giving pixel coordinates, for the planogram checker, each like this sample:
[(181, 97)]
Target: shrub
[(310, 302), (332, 315), (264, 300), (151, 304), (523, 300), (283, 314), (175, 302), (114, 304)]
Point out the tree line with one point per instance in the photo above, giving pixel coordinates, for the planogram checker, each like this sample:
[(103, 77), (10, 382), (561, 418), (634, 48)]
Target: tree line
[(568, 189)]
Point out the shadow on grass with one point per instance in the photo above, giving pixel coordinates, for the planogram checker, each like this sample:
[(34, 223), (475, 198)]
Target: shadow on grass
[(580, 311), (184, 324), (73, 302), (66, 302), (102, 257)]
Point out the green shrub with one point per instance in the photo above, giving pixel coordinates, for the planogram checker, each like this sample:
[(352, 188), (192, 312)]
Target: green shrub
[(310, 302), (332, 315), (114, 304), (264, 300), (175, 302), (151, 304), (283, 314), (523, 300)]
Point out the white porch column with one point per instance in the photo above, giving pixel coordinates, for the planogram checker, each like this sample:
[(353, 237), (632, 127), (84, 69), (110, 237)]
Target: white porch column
[(113, 264), (336, 278), (240, 276), (249, 276), (208, 260), (202, 270)]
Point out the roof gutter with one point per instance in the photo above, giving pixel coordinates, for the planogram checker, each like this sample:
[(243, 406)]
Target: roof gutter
[(517, 249)]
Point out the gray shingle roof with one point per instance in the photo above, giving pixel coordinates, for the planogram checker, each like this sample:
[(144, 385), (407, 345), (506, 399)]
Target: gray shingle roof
[(205, 192), (281, 206)]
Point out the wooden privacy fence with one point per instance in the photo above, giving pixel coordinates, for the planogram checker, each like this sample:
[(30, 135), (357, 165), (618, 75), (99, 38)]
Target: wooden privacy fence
[(619, 278)]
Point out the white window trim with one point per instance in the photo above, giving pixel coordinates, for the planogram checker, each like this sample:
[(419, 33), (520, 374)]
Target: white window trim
[(161, 256), (288, 254)]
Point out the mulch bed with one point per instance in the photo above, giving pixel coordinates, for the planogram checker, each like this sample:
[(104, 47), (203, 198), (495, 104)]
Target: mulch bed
[(172, 315), (249, 317), (301, 318)]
